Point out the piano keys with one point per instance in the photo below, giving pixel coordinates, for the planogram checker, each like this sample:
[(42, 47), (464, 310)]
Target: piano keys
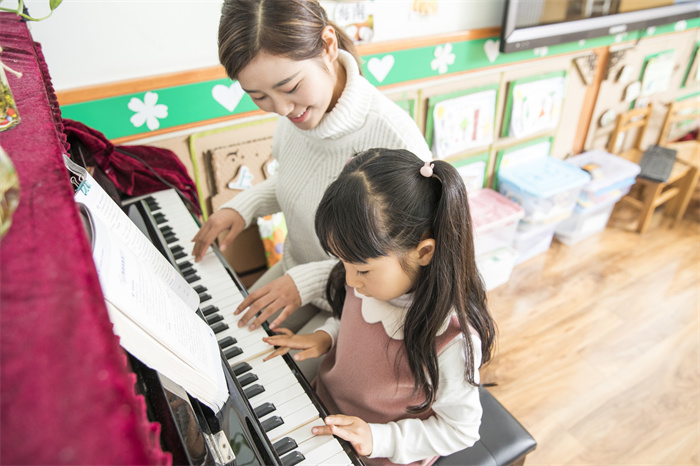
[(272, 407)]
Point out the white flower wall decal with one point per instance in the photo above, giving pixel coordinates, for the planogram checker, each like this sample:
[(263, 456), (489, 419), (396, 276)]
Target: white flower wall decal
[(443, 58), (147, 111)]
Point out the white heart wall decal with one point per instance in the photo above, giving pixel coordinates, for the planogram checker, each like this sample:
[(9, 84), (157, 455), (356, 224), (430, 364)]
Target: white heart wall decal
[(380, 68), (491, 49), (228, 96)]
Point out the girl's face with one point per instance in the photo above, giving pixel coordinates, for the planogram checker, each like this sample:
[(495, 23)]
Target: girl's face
[(384, 277), (302, 91)]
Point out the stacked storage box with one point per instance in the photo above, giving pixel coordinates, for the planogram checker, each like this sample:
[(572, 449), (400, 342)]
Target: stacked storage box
[(611, 178), (547, 189), (495, 220)]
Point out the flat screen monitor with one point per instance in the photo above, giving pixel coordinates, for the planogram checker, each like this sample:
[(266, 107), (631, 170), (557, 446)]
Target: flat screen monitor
[(528, 24)]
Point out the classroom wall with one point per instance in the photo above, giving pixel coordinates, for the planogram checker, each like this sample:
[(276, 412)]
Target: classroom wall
[(88, 43)]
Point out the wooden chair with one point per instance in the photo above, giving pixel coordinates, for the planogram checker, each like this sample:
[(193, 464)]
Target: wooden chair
[(686, 151), (647, 195)]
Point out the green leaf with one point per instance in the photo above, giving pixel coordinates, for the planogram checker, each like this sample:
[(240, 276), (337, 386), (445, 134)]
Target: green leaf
[(53, 4)]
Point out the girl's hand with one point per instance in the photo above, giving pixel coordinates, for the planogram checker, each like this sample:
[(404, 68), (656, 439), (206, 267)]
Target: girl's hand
[(314, 344), (351, 428), (224, 219), (279, 294)]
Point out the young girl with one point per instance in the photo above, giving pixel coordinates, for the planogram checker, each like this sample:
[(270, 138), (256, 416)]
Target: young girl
[(410, 326), (293, 61)]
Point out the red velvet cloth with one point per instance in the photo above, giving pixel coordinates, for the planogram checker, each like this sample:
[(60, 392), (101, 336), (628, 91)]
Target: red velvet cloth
[(130, 175), (66, 395)]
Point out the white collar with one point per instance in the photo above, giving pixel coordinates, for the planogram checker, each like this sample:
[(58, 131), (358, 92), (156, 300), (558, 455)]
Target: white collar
[(390, 313)]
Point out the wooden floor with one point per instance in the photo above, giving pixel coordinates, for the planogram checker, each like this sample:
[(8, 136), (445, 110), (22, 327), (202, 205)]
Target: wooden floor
[(599, 346)]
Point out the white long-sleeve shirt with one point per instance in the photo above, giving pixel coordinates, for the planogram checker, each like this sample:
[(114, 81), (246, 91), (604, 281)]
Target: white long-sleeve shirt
[(309, 160)]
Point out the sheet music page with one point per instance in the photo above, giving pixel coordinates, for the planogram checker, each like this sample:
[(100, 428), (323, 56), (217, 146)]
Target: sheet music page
[(130, 287), (103, 207)]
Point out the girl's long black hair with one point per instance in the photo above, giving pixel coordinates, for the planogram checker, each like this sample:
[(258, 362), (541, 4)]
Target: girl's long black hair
[(381, 204)]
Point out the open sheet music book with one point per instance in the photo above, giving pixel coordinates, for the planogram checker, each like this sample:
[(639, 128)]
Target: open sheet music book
[(152, 308)]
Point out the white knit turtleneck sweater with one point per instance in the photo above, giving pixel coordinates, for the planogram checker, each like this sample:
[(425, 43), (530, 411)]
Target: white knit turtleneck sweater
[(309, 160)]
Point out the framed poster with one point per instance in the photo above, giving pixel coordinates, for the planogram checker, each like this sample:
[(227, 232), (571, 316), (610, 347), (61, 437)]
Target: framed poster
[(461, 120), (534, 104), (656, 73)]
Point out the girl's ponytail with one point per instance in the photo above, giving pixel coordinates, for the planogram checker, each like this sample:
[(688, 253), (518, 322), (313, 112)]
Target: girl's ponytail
[(453, 230)]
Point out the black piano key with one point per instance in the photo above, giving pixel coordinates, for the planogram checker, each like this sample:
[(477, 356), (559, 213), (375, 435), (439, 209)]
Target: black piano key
[(214, 318), (219, 327), (263, 410), (227, 341), (183, 264), (253, 390), (192, 278), (177, 248), (166, 229), (199, 288), (232, 352), (170, 239), (210, 309), (284, 445), (293, 458), (204, 297), (241, 368), (179, 254), (188, 271), (159, 218), (271, 423), (152, 203), (247, 379)]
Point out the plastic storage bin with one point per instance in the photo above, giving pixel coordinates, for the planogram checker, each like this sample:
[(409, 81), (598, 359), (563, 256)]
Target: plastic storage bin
[(495, 219), (546, 188), (611, 176), (533, 241), (585, 222), (496, 266)]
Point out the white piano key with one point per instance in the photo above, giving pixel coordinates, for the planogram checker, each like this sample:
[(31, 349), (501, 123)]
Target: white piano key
[(313, 443), (321, 454), (339, 459), (250, 352), (278, 397), (293, 422), (303, 433), (273, 376), (283, 383), (288, 411)]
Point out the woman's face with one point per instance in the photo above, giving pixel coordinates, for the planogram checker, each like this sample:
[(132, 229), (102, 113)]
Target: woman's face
[(302, 91)]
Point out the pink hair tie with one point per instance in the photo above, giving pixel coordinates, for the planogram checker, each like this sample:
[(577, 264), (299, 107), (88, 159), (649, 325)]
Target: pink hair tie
[(427, 169)]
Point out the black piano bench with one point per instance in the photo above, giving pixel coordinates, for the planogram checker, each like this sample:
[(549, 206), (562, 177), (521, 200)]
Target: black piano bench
[(503, 440)]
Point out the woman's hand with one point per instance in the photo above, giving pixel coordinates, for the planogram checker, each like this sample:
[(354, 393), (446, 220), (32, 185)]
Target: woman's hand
[(280, 293), (223, 219), (351, 428), (313, 345)]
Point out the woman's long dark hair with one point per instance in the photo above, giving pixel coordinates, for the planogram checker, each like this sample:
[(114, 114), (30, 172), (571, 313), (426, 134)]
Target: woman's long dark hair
[(285, 28), (381, 204)]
